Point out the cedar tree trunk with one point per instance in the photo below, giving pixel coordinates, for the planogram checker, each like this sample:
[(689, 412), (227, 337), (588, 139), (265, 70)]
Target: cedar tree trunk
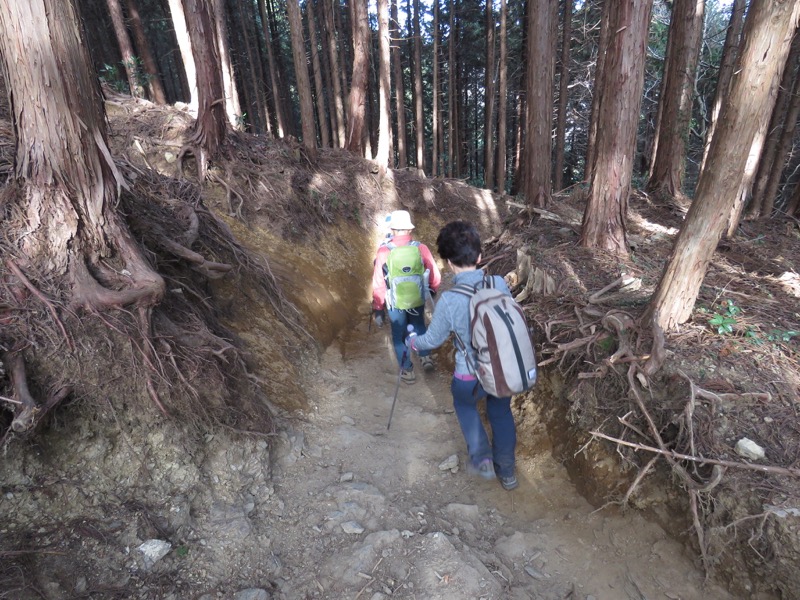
[(768, 33), (620, 95), (538, 140), (685, 34), (400, 105), (69, 183), (489, 86), (303, 81), (563, 93), (384, 88), (143, 47), (358, 85), (208, 131), (502, 106)]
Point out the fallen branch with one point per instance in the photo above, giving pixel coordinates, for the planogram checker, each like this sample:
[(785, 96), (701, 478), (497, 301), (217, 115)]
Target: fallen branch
[(699, 459)]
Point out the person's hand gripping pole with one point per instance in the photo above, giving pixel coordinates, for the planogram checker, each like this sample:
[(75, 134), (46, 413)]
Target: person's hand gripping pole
[(411, 334)]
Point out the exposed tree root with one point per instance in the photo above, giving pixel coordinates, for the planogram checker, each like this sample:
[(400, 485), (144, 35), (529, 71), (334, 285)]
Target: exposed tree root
[(573, 341), (26, 408), (21, 276)]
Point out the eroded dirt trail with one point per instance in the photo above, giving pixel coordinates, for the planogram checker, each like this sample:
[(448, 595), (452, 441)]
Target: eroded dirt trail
[(366, 513)]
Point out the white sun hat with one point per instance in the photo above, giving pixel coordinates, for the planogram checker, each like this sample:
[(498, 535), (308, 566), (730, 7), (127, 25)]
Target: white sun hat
[(400, 220)]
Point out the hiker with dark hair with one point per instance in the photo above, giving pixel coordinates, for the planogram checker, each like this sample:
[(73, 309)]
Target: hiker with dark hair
[(460, 245), (403, 276)]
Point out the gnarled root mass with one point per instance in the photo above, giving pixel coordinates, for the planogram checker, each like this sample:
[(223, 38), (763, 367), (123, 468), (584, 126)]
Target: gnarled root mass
[(153, 290), (618, 362)]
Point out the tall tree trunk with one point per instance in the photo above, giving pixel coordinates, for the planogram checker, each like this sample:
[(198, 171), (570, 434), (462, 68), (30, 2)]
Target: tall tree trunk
[(399, 94), (280, 86), (126, 48), (324, 128), (793, 207), (208, 132), (143, 47), (502, 107), (489, 86), (452, 102), (563, 93), (336, 68), (358, 84), (277, 106), (345, 47), (781, 154), (677, 94), (538, 139), (768, 31), (232, 107), (302, 79), (770, 159), (63, 165), (327, 72), (730, 52), (599, 75), (383, 156), (258, 106), (617, 120), (419, 117), (185, 45), (519, 145), (755, 155), (435, 114)]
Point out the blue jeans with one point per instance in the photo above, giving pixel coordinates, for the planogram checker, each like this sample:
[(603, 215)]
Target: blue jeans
[(466, 395), (400, 320)]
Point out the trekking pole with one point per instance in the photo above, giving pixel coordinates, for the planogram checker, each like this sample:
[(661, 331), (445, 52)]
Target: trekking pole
[(397, 385)]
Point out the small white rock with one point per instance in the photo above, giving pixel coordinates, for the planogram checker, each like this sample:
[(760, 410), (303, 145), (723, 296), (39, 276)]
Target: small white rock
[(346, 477), (154, 550), (348, 420), (352, 527), (749, 449)]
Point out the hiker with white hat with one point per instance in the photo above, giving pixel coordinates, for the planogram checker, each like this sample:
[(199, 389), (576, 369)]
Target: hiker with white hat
[(404, 275)]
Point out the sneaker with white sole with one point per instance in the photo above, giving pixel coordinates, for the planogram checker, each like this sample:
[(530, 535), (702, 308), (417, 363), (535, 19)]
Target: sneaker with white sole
[(509, 483), (408, 376), (426, 362)]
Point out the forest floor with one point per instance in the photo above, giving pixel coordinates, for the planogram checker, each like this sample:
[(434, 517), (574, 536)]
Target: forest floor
[(328, 503)]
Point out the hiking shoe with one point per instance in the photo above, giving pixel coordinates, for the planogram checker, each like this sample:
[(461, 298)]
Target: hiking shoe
[(426, 362), (408, 376), (509, 483), (484, 469)]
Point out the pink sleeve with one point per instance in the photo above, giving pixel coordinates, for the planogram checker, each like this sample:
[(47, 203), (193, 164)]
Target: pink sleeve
[(378, 281), (430, 264)]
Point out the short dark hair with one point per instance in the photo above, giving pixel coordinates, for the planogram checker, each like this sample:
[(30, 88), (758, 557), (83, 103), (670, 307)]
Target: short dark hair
[(460, 243)]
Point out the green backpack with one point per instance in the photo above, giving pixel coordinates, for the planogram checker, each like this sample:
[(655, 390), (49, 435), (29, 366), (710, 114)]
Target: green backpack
[(405, 276)]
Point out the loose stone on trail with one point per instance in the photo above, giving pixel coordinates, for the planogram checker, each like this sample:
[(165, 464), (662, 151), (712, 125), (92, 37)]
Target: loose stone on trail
[(449, 464), (352, 527)]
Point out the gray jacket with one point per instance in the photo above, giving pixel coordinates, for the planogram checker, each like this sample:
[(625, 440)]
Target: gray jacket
[(451, 315)]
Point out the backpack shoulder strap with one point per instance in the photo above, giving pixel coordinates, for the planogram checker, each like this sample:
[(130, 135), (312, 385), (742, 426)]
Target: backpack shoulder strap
[(464, 289)]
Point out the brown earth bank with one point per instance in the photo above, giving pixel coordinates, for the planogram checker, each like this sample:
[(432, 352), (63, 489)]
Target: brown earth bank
[(273, 475)]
